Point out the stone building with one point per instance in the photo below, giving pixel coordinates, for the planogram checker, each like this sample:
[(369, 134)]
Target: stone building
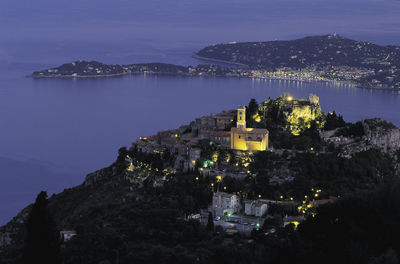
[(221, 138), (225, 204), (243, 138), (224, 119), (255, 207), (194, 155)]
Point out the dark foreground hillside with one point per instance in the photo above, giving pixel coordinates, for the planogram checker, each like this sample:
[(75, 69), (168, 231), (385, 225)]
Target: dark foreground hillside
[(119, 219)]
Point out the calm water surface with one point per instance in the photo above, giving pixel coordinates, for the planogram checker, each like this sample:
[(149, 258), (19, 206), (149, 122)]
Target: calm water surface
[(54, 132)]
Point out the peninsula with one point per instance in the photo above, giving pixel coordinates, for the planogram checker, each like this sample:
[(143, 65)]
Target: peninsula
[(318, 58), (330, 57)]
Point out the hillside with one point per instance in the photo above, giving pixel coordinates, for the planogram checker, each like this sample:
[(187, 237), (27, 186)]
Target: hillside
[(316, 51), (319, 58), (329, 57), (147, 208), (121, 215)]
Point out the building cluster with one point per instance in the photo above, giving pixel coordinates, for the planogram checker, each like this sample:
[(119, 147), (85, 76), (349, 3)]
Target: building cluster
[(184, 143), (227, 204)]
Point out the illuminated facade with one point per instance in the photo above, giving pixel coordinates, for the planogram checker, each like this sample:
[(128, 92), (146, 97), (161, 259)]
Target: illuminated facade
[(252, 139), (225, 204)]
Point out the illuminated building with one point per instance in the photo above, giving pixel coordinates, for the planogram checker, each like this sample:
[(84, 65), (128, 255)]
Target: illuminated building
[(295, 220), (194, 155), (252, 139), (225, 204), (255, 207)]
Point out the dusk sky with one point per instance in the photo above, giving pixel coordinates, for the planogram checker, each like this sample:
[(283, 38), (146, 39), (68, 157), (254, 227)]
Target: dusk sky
[(78, 27)]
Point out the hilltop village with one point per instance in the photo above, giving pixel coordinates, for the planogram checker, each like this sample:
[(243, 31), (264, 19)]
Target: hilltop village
[(236, 146), (245, 185)]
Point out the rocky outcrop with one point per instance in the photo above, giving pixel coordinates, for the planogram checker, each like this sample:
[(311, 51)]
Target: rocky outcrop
[(11, 231), (378, 134), (98, 175), (381, 134), (5, 239)]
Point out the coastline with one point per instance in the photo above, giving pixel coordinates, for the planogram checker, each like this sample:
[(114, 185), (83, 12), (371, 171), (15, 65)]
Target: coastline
[(189, 75), (237, 73), (76, 76)]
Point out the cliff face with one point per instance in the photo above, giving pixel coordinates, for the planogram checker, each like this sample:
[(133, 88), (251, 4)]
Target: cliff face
[(382, 135), (14, 230), (378, 134)]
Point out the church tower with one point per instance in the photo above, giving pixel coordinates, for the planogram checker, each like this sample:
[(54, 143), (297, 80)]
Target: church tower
[(241, 117)]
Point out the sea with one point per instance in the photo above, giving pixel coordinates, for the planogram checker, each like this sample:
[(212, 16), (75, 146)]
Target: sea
[(53, 132)]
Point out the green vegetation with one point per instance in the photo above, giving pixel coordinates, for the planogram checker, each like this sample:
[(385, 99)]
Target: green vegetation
[(117, 219), (362, 228), (316, 51), (140, 210), (329, 57), (335, 176), (292, 123), (351, 130), (333, 121), (296, 115)]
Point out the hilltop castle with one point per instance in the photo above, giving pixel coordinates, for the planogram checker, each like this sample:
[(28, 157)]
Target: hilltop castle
[(296, 114), (243, 138)]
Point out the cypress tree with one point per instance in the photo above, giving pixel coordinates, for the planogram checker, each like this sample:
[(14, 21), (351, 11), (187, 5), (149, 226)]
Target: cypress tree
[(42, 244), (253, 107), (210, 222)]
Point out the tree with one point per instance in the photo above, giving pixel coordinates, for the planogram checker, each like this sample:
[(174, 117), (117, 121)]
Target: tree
[(334, 121), (122, 152), (253, 107), (42, 244), (210, 222)]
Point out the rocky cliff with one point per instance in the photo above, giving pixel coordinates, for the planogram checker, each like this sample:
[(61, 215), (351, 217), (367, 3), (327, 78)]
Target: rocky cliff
[(382, 135)]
